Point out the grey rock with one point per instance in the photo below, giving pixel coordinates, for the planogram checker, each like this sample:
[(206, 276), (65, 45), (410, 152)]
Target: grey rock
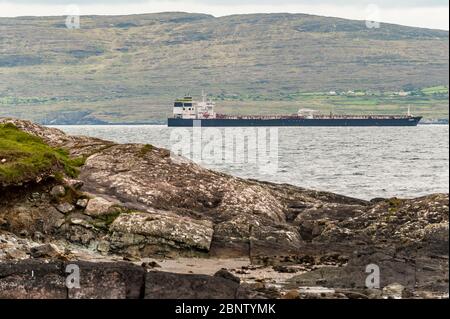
[(58, 191), (15, 254), (81, 222), (74, 183), (3, 222), (65, 208), (46, 251), (285, 269), (170, 229), (164, 285), (224, 273), (393, 291), (82, 203), (99, 206), (23, 233), (58, 223), (151, 265), (38, 236), (103, 246)]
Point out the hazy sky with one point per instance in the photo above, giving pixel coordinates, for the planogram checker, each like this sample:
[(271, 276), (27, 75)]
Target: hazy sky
[(422, 13)]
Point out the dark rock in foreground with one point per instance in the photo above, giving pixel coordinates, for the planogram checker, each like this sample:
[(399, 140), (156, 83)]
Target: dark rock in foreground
[(160, 285), (33, 279)]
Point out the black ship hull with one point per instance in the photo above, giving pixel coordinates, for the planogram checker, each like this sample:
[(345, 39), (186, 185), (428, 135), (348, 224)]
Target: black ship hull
[(244, 122)]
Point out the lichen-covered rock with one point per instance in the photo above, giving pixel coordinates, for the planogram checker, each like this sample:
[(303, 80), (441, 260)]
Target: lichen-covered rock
[(50, 251), (82, 203), (58, 191), (65, 208), (98, 206), (393, 291), (168, 229), (435, 236)]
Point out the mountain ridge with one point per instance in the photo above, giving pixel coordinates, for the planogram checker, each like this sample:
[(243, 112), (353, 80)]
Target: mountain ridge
[(116, 65), (211, 16)]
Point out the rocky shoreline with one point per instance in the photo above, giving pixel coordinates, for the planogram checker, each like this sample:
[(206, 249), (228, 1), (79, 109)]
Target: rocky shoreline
[(134, 205)]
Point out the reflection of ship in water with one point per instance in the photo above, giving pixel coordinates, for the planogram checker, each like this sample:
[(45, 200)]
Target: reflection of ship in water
[(186, 111)]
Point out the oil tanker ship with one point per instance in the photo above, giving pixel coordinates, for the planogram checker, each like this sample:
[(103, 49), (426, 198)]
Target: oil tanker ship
[(187, 113)]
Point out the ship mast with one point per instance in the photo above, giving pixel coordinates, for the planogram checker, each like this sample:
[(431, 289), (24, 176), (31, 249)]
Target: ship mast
[(203, 96)]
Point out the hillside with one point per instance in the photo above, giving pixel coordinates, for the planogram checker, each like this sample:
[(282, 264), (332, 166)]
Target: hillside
[(130, 68)]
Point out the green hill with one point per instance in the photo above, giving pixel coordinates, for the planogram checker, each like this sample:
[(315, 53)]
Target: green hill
[(130, 68)]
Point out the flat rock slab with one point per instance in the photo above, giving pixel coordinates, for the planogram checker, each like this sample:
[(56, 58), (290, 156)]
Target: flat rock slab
[(188, 232), (99, 206)]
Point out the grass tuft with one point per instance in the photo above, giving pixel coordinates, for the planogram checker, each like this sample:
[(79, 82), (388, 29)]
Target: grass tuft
[(23, 157), (145, 149)]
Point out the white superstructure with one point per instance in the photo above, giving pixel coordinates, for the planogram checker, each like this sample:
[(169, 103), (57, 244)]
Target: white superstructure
[(187, 108)]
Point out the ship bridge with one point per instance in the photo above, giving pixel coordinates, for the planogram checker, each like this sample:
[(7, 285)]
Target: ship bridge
[(187, 108)]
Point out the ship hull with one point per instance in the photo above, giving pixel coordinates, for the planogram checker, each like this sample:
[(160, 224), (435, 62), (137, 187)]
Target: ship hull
[(232, 122)]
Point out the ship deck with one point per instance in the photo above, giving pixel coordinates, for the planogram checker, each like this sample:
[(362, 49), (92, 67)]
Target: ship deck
[(318, 117)]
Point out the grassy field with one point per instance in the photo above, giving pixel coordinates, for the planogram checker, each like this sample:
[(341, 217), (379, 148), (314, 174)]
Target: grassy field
[(23, 157), (131, 68), (431, 103)]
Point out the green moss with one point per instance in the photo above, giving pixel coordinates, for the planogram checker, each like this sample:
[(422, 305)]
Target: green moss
[(394, 204), (110, 218), (104, 221), (145, 149), (24, 156)]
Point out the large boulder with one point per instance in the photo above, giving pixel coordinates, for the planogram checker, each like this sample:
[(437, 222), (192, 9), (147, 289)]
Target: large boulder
[(164, 229), (99, 206)]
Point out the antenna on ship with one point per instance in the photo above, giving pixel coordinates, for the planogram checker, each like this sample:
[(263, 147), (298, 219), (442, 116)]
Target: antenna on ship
[(409, 110), (203, 96)]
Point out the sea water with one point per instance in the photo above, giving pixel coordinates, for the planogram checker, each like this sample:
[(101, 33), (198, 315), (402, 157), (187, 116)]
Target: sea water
[(362, 162)]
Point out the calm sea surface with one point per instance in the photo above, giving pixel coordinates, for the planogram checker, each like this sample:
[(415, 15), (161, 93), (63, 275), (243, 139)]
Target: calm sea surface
[(364, 162)]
